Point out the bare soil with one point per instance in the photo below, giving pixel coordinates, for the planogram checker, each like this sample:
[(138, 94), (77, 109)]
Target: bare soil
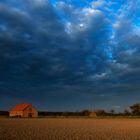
[(69, 129)]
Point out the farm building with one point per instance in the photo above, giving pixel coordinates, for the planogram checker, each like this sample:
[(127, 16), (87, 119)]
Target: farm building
[(92, 114), (24, 111)]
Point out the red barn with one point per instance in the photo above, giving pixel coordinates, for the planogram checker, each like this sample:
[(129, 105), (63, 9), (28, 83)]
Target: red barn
[(23, 111)]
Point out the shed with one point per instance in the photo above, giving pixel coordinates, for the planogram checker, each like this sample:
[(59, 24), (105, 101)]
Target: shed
[(24, 111), (92, 114)]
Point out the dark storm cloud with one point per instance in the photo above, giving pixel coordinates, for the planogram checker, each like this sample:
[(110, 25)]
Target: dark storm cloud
[(126, 68), (65, 51)]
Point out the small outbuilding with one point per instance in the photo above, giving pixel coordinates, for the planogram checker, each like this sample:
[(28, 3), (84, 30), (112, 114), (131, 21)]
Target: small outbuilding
[(92, 114), (24, 111)]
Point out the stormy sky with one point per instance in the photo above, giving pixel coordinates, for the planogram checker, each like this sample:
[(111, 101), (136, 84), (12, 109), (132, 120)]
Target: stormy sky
[(70, 54)]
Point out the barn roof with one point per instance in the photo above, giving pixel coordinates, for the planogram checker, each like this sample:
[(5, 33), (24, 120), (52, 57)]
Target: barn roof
[(20, 107)]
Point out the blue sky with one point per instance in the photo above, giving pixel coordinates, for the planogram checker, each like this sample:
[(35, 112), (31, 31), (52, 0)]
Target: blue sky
[(70, 55)]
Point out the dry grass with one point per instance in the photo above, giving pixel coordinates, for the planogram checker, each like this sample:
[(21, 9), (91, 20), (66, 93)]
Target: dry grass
[(69, 129)]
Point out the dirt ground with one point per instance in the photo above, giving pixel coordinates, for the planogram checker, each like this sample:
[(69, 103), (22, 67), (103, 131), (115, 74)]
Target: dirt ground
[(69, 129)]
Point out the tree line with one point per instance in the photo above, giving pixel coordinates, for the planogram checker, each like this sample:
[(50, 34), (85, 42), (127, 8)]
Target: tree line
[(134, 110)]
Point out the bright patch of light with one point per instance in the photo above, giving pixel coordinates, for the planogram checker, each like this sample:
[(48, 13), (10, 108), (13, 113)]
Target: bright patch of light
[(90, 11), (98, 3), (81, 25)]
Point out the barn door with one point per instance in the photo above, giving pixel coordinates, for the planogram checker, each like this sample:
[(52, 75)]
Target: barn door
[(30, 115)]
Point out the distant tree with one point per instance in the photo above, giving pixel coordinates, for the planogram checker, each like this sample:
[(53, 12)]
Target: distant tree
[(101, 112), (4, 113), (135, 109), (126, 112), (112, 111), (85, 112)]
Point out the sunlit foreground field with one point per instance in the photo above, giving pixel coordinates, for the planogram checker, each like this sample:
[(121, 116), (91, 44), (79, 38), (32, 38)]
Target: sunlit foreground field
[(69, 129)]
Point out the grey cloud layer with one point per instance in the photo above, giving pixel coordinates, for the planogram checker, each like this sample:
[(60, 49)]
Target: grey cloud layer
[(41, 49)]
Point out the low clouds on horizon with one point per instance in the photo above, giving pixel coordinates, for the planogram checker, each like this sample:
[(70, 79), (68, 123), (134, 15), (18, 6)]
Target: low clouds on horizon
[(57, 52)]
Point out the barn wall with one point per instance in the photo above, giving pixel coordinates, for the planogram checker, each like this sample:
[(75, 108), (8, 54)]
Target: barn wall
[(16, 113), (34, 112), (30, 110)]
